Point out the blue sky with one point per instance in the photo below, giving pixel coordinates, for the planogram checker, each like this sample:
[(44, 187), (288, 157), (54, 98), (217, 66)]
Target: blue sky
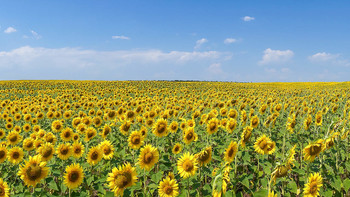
[(251, 41)]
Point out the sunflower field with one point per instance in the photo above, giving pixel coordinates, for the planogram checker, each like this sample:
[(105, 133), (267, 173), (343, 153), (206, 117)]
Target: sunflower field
[(167, 139)]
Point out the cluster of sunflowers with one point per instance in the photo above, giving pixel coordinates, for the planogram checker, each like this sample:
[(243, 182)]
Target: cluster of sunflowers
[(156, 138)]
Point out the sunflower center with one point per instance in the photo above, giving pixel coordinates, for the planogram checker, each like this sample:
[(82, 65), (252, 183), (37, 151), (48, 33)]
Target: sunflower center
[(188, 165), (136, 140), (15, 155), (107, 150), (263, 145), (90, 134), (204, 157), (94, 155), (34, 172), (57, 127), (177, 148), (313, 188), (13, 138), (189, 136), (47, 152), (230, 152), (168, 190), (212, 126), (67, 134), (123, 180), (161, 128), (77, 150), (2, 154), (64, 151), (148, 158), (314, 150), (73, 176)]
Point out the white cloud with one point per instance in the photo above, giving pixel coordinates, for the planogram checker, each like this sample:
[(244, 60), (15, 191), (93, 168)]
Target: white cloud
[(75, 63), (200, 42), (322, 57), (248, 18), (121, 37), (35, 35), (10, 30), (276, 56), (230, 40)]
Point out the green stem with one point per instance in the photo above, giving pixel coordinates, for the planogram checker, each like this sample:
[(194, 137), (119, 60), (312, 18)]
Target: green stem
[(144, 184), (188, 186)]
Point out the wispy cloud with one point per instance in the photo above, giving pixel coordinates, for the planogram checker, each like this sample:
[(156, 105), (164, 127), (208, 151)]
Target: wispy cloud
[(200, 42), (45, 63), (329, 58), (276, 56), (10, 30), (248, 18), (35, 35), (121, 37), (230, 40)]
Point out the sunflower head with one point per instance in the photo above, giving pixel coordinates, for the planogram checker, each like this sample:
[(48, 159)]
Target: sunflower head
[(4, 189), (204, 157), (121, 178), (46, 151), (177, 148), (187, 165), (33, 171), (94, 156), (77, 149), (64, 151), (148, 157), (3, 153), (107, 149), (313, 186), (160, 128), (74, 176), (231, 152), (312, 150), (135, 140), (15, 155), (168, 188)]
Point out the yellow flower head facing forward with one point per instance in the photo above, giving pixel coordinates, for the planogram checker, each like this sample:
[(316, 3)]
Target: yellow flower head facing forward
[(107, 149), (160, 128), (149, 156), (177, 148), (95, 155), (187, 165), (64, 151), (312, 150), (254, 122), (264, 145), (135, 140), (78, 149), (33, 171), (4, 189), (204, 157), (46, 151), (313, 186), (121, 178), (168, 188), (231, 152), (74, 176), (213, 126), (189, 135), (15, 155)]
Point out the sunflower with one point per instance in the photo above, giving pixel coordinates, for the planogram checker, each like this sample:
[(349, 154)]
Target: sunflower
[(213, 126), (57, 126), (74, 176), (26, 127), (97, 121), (135, 140), (64, 151), (168, 188), (76, 137), (14, 138), (33, 171), (66, 134), (90, 133), (94, 156), (105, 131), (189, 135), (3, 154), (143, 131), (107, 149), (264, 145), (28, 144), (46, 151), (50, 137), (81, 128), (148, 157), (173, 127), (15, 155), (254, 122), (177, 148), (313, 150), (280, 171), (124, 128), (187, 165), (204, 157), (78, 149), (4, 189), (247, 132), (231, 152), (307, 122), (121, 178), (231, 125), (313, 186), (160, 128), (318, 120)]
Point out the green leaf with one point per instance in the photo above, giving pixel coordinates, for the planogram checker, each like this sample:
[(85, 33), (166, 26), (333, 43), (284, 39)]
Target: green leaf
[(337, 184), (261, 193), (109, 194), (53, 185), (245, 182), (293, 187), (346, 184), (90, 179)]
